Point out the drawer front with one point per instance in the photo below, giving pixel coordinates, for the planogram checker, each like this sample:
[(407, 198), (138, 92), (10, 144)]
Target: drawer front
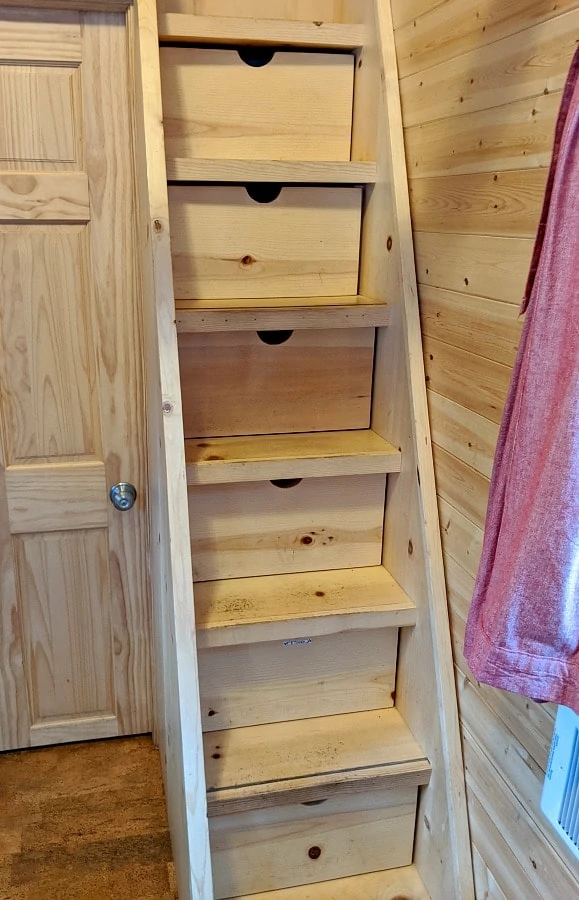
[(233, 383), (274, 848), (258, 528), (296, 106), (278, 681), (303, 243)]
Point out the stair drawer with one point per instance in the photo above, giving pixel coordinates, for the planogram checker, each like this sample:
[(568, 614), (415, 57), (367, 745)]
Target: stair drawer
[(259, 241), (257, 104), (276, 382), (278, 681), (297, 525), (279, 847)]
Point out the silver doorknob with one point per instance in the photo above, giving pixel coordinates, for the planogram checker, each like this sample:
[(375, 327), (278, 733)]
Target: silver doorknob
[(123, 495)]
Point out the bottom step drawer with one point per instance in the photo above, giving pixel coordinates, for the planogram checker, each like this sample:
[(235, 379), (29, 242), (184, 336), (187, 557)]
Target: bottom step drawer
[(303, 843)]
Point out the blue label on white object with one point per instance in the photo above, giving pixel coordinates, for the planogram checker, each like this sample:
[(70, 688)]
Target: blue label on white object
[(297, 642)]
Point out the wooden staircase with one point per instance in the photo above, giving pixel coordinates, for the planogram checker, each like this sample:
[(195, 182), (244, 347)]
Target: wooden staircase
[(323, 685)]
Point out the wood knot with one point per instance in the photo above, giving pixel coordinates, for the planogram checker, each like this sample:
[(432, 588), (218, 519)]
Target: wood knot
[(314, 852), (246, 261)]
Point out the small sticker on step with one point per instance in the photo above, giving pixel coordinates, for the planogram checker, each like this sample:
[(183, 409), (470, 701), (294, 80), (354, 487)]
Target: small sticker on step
[(297, 642)]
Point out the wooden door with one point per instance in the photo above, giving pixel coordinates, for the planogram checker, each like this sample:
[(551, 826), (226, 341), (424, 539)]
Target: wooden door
[(74, 612)]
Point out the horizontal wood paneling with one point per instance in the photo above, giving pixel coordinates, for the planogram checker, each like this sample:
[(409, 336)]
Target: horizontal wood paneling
[(464, 433), (506, 203), (505, 867), (516, 136), (461, 486), (453, 373), (512, 69), (484, 880), (474, 264), (481, 85), (477, 324), (526, 834), (461, 538), (40, 196), (407, 10), (455, 27)]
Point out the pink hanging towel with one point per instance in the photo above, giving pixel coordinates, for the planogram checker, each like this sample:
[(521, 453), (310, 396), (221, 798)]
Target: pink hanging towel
[(523, 627)]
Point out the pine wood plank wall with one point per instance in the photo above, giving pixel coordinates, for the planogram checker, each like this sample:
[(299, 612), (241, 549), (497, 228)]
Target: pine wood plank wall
[(481, 83)]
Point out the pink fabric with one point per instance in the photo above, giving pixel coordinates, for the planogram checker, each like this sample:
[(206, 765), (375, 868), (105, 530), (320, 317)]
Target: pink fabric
[(523, 627)]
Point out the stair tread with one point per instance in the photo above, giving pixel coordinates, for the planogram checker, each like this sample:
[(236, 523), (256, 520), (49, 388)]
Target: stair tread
[(270, 457), (283, 313), (188, 169), (392, 884), (229, 30), (310, 604), (298, 761)]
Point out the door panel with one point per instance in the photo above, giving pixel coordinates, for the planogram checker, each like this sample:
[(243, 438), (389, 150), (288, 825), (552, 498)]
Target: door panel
[(69, 657), (47, 355), (74, 605)]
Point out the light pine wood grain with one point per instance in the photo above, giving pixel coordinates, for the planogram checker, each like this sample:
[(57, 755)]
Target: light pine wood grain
[(452, 372), (334, 754), (279, 607), (509, 69), (297, 678), (412, 550), (461, 486), (550, 867), (491, 843), (485, 107), (461, 539), (289, 10), (464, 433), (271, 848), (407, 10), (384, 885), (177, 723), (72, 398), (281, 314), (314, 381), (228, 30), (54, 570), (303, 244), (298, 106), (489, 328), (48, 132), (449, 29), (494, 267), (61, 731), (516, 136), (239, 530), (47, 358), (40, 35), (269, 457), (35, 196), (56, 497), (485, 882), (108, 115), (507, 204), (262, 171)]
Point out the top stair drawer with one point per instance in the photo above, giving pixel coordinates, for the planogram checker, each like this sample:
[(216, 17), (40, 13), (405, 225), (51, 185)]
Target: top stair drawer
[(294, 106)]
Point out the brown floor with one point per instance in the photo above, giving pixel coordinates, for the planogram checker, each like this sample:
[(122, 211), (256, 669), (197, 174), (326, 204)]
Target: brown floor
[(84, 822)]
